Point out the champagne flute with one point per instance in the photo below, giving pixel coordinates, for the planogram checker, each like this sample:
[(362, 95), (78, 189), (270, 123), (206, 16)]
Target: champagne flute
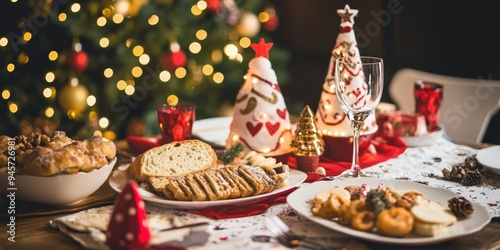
[(359, 83)]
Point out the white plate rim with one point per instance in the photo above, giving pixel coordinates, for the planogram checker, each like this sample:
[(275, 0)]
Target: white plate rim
[(488, 157), (119, 178), (300, 198), (422, 140)]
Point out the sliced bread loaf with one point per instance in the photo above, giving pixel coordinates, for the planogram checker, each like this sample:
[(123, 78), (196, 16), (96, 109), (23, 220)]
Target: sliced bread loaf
[(173, 159)]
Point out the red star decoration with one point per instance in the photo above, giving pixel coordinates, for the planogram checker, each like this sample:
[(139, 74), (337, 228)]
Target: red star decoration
[(262, 48)]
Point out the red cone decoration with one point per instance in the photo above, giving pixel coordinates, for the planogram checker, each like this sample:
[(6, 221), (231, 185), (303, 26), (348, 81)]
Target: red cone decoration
[(128, 227)]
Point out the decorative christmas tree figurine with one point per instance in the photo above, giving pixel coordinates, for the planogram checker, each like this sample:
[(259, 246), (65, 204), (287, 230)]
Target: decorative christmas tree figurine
[(260, 116), (128, 227), (330, 119), (307, 144)]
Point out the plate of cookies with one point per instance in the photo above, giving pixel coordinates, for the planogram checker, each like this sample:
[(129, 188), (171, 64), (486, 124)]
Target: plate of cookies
[(189, 175), (396, 212)]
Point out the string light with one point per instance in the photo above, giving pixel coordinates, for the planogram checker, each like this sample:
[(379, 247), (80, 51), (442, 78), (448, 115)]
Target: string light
[(129, 90), (75, 7), (10, 67), (196, 10), (180, 72), (164, 76), (108, 72), (4, 41), (153, 20), (104, 42), (231, 50), (263, 17), (104, 122), (138, 50), (5, 94), (218, 77), (245, 42), (202, 5), (118, 18), (201, 35), (195, 47), (207, 69), (62, 17), (101, 21), (98, 133), (47, 92), (50, 77), (53, 55), (121, 85), (137, 71), (49, 112), (144, 59), (13, 107), (27, 36), (91, 100)]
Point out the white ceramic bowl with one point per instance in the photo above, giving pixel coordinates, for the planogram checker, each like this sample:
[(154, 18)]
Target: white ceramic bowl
[(62, 189), (488, 157)]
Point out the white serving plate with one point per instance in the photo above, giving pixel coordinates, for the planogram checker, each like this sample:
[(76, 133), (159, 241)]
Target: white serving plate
[(119, 178), (490, 158), (301, 200), (423, 140), (214, 130)]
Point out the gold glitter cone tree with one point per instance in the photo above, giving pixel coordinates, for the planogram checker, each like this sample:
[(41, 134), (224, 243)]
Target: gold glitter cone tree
[(307, 144)]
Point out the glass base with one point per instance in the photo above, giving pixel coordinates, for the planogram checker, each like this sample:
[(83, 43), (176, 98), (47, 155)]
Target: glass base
[(353, 174)]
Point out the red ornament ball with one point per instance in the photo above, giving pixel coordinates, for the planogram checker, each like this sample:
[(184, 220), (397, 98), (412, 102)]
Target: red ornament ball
[(174, 60), (213, 6), (271, 24), (77, 61)]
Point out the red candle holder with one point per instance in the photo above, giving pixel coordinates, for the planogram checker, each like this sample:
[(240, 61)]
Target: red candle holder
[(176, 123), (428, 98)]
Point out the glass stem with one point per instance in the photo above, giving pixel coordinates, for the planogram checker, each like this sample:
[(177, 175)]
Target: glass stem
[(355, 168)]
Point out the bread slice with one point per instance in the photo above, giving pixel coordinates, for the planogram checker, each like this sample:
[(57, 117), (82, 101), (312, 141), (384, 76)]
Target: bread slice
[(235, 190), (200, 178), (220, 186), (158, 184), (173, 159), (244, 187), (198, 192), (258, 178)]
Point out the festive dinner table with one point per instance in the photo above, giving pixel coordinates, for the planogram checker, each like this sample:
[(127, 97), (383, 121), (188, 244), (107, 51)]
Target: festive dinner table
[(36, 226)]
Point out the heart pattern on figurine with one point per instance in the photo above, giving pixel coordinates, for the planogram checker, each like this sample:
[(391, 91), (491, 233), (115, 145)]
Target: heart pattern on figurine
[(254, 129), (282, 113), (272, 128)]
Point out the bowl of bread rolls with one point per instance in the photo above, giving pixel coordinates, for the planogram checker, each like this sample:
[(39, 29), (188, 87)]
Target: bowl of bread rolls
[(53, 169)]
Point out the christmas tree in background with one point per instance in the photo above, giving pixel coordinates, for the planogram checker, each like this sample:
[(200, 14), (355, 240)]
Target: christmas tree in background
[(102, 67)]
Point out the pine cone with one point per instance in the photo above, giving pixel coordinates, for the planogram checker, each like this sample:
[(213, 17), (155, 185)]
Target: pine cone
[(472, 178), (456, 174), (460, 206), (472, 163)]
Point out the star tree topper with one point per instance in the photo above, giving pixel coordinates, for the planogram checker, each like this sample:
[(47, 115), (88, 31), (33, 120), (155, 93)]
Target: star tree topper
[(347, 14), (262, 48)]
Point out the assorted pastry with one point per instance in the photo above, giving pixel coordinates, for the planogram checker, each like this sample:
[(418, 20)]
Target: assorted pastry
[(43, 155), (388, 212), (190, 171)]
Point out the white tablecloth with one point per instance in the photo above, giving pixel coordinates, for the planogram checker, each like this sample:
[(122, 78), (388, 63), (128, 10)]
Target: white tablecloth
[(415, 164)]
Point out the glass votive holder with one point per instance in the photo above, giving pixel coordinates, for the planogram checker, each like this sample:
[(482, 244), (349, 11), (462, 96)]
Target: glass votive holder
[(176, 122), (428, 98)]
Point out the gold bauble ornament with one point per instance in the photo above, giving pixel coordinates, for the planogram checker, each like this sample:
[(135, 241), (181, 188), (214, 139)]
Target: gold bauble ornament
[(248, 25), (73, 96)]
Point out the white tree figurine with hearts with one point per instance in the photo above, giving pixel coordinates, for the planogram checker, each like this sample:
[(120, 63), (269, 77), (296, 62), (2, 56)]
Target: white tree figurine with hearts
[(330, 119), (260, 117)]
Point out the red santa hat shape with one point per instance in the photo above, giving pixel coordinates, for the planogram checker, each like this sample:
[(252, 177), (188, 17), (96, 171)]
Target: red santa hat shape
[(128, 227)]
